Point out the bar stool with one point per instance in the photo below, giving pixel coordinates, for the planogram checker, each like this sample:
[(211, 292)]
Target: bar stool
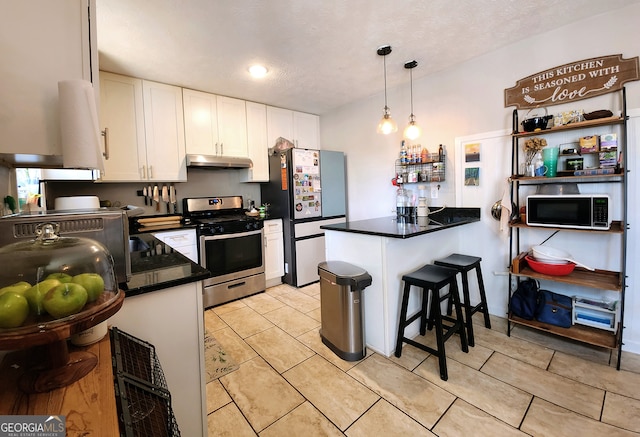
[(463, 264), (431, 278)]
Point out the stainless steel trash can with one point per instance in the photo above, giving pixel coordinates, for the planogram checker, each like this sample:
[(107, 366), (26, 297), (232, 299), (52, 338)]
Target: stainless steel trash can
[(342, 308)]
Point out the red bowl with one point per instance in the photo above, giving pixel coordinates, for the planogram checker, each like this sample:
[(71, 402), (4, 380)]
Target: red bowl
[(549, 269)]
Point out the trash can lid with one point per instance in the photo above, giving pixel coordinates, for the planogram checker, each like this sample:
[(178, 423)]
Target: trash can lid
[(346, 274)]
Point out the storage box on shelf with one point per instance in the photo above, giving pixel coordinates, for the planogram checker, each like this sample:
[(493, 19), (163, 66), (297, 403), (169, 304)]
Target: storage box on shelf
[(591, 324)]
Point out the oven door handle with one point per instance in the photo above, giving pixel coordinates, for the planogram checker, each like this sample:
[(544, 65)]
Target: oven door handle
[(227, 236)]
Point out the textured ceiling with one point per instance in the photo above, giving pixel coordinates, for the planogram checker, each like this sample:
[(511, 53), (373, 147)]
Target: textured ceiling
[(321, 54)]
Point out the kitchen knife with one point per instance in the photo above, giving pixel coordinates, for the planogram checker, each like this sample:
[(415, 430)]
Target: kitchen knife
[(144, 194), (165, 197), (156, 197), (172, 198), (150, 194)]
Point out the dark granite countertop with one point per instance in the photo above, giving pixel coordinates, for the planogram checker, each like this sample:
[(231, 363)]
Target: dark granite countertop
[(394, 228), (156, 266)]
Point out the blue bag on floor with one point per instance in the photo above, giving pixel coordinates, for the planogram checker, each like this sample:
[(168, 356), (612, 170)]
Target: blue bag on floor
[(525, 300), (554, 309)]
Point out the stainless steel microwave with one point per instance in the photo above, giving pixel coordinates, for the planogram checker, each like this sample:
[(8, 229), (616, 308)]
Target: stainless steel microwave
[(576, 211)]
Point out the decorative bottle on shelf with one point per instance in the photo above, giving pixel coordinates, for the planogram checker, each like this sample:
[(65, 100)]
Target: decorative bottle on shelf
[(404, 160), (424, 155), (441, 153)]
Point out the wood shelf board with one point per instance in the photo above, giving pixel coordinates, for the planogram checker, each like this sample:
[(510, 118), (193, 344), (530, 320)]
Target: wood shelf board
[(572, 126), (599, 279), (616, 227), (586, 334)]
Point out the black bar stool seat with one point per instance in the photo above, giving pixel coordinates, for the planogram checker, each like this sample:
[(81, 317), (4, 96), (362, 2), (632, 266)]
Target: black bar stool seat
[(431, 279), (464, 264)]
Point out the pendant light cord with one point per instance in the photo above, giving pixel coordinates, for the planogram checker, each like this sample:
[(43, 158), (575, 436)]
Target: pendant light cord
[(384, 62)]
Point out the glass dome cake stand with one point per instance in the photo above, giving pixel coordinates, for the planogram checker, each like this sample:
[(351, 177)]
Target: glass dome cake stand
[(42, 338)]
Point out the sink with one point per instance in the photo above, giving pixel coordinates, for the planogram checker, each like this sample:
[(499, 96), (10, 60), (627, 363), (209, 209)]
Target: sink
[(137, 245)]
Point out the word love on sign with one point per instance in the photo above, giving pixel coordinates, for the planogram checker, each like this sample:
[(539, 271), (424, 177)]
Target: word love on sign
[(574, 81)]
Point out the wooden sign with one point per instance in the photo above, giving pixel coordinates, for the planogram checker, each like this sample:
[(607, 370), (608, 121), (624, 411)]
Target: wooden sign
[(575, 81)]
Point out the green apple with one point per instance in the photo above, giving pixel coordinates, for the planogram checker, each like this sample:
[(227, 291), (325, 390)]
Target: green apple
[(18, 287), (36, 294), (60, 276), (92, 282), (65, 299), (14, 309)]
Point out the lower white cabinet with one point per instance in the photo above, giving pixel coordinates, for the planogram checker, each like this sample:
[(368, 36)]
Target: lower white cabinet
[(184, 241), (273, 252)]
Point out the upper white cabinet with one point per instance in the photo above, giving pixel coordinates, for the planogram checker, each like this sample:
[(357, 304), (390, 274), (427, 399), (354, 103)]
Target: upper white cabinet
[(214, 125), (301, 128), (258, 146), (36, 37), (144, 130)]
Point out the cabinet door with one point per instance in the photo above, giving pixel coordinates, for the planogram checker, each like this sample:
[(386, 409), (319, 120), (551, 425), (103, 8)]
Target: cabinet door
[(164, 132), (273, 252), (306, 130), (43, 42), (232, 127), (122, 115), (279, 124), (258, 148), (200, 122)]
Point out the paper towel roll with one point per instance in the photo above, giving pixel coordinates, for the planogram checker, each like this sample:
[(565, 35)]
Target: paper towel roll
[(79, 127)]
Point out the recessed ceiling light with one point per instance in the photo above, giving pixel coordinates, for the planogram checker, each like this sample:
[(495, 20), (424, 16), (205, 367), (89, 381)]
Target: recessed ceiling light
[(258, 71)]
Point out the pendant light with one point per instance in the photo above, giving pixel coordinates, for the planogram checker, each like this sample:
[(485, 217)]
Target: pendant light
[(387, 125), (412, 131)]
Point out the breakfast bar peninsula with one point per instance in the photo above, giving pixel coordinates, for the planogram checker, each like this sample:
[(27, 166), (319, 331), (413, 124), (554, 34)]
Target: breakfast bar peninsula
[(388, 248)]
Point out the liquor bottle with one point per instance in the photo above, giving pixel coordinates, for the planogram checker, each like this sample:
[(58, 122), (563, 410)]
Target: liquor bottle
[(441, 153)]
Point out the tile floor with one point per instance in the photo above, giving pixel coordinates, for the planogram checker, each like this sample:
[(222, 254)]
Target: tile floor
[(290, 384)]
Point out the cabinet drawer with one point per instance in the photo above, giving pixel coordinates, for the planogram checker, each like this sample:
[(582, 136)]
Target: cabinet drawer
[(272, 226)]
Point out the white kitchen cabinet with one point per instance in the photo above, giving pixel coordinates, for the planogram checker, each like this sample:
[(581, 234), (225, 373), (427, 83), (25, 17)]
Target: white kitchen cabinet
[(184, 241), (214, 125), (258, 146), (122, 115), (273, 252), (144, 130), (298, 127), (164, 133), (43, 42)]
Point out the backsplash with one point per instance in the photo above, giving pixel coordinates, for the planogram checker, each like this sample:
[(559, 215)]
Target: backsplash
[(201, 182)]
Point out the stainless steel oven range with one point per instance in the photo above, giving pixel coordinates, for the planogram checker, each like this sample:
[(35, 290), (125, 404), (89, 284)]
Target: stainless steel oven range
[(230, 246)]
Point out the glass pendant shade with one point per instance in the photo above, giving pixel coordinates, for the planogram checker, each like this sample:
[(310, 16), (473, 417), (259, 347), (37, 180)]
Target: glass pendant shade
[(387, 124), (412, 131)]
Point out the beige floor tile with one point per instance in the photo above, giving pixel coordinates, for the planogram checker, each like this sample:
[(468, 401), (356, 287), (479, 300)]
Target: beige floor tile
[(217, 396), (235, 346), (212, 322), (315, 314), (245, 321), (312, 290), (279, 349), (338, 396), (480, 390), (314, 342), (279, 289), (597, 375), (562, 391), (629, 361), (228, 421), (622, 412), (227, 307), (420, 399), (547, 419), (300, 301), (557, 343), (411, 356), (513, 347), (262, 395), (262, 303), (463, 419), (292, 321), (383, 419), (305, 420)]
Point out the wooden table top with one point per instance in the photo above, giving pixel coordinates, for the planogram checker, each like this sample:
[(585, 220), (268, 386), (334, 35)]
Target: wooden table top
[(89, 404)]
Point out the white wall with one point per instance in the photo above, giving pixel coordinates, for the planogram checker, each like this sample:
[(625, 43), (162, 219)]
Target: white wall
[(466, 101)]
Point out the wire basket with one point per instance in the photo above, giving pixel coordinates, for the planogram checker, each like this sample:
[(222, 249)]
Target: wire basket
[(144, 401)]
